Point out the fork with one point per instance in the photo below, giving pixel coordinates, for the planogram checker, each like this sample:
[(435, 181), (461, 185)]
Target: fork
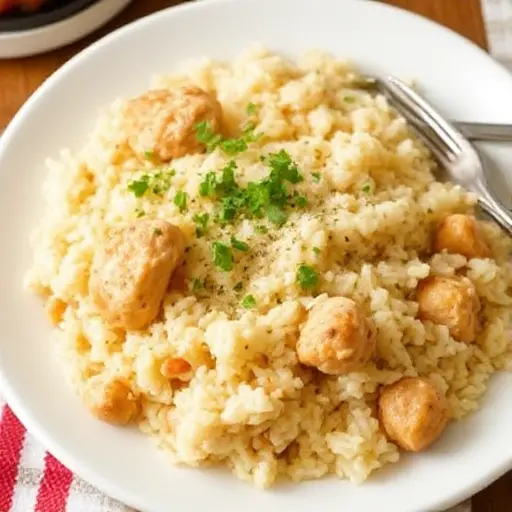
[(455, 153)]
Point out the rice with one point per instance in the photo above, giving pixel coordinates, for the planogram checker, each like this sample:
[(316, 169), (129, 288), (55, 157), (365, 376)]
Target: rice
[(250, 405)]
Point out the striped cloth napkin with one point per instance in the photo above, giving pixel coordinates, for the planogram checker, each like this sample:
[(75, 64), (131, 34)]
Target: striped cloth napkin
[(31, 480)]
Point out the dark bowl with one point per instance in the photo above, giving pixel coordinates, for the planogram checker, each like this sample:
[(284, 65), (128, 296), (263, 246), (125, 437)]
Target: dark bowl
[(51, 12)]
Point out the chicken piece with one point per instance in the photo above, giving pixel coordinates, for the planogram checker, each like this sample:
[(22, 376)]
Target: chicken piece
[(337, 337), (111, 400), (451, 301), (162, 123), (130, 274), (413, 413), (461, 234)]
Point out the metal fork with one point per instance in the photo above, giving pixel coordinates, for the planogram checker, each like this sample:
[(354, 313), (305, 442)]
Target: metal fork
[(452, 149)]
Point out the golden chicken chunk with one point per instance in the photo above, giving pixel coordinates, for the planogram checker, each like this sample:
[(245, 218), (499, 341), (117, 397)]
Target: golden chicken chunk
[(337, 337), (130, 274), (451, 301), (163, 122), (460, 234), (111, 400), (413, 413)]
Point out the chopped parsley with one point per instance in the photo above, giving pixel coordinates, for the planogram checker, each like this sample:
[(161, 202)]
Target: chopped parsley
[(206, 135), (316, 177), (239, 245), (212, 140), (140, 213), (201, 220), (248, 302), (307, 277), (261, 230), (367, 187), (158, 182), (268, 197), (148, 155), (300, 201), (197, 284), (316, 250), (180, 200), (275, 214), (349, 99), (222, 256), (251, 109)]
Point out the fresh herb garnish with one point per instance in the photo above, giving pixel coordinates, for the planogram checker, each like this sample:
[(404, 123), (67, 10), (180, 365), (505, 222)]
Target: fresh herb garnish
[(316, 250), (275, 214), (316, 177), (300, 201), (140, 212), (248, 302), (222, 256), (157, 182), (307, 277), (239, 245), (197, 284), (148, 155), (367, 187), (349, 99), (251, 109), (201, 220), (261, 230), (180, 200), (212, 140)]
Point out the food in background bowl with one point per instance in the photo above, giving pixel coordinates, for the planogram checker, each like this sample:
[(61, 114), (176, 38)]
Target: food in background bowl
[(255, 263), (24, 5)]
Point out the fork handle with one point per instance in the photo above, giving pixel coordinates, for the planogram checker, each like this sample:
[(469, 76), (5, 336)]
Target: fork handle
[(494, 208), (486, 131)]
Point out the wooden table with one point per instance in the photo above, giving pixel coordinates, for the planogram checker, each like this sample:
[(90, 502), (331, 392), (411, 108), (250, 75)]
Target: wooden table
[(19, 78)]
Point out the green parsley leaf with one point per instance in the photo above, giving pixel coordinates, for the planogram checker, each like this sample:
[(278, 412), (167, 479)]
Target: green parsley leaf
[(206, 135), (367, 187), (248, 302), (201, 220), (228, 183), (283, 167), (261, 229), (275, 214), (316, 250), (208, 185), (349, 99), (251, 109), (222, 256), (140, 212), (301, 201), (239, 245), (139, 187), (238, 286), (180, 200), (307, 277), (316, 177), (158, 182), (148, 155), (197, 284), (234, 146)]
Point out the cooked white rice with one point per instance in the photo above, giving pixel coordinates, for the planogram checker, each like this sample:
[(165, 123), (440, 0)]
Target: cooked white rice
[(250, 405)]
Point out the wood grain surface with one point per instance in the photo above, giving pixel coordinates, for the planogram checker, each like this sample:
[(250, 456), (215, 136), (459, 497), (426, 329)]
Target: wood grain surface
[(20, 77)]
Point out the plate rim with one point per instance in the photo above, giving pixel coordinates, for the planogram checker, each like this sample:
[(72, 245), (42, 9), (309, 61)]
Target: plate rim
[(109, 487)]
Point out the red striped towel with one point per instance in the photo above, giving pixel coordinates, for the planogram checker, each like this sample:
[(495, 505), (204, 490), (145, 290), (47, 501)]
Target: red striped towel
[(32, 480)]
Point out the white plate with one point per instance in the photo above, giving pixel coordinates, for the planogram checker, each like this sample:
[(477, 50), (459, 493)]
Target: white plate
[(43, 39), (459, 77)]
